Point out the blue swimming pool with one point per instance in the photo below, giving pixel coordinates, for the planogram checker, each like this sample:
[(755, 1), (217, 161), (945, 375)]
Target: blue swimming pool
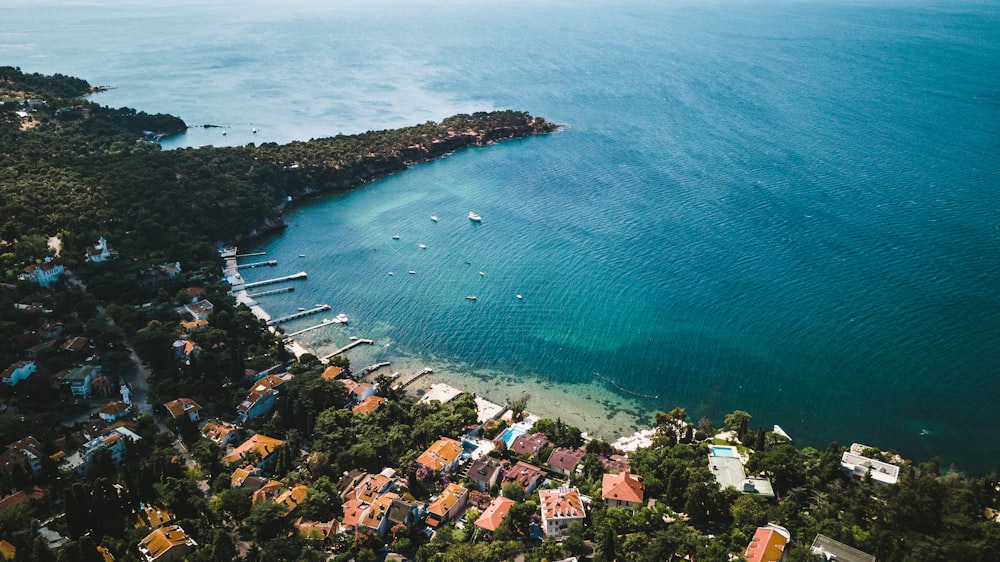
[(724, 452), (512, 433)]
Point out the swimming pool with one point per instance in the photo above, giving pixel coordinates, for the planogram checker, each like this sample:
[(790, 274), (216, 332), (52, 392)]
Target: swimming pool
[(724, 452), (512, 433)]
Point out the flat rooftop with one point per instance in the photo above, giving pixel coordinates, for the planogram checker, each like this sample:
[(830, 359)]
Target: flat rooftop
[(487, 410), (441, 392)]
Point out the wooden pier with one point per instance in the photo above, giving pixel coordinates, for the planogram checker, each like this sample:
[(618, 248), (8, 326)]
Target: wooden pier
[(249, 255), (403, 383), (294, 276), (288, 289), (349, 346), (268, 263), (299, 314), (325, 322), (371, 369)]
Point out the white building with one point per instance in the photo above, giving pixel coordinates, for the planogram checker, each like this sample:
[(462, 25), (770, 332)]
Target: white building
[(863, 467), (560, 508), (100, 252)]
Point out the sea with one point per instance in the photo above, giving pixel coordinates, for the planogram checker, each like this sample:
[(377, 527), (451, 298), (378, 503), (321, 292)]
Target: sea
[(786, 207)]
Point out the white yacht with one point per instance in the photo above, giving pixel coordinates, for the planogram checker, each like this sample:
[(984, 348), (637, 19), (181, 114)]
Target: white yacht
[(474, 217)]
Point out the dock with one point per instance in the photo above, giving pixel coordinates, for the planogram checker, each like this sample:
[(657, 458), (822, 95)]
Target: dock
[(371, 369), (325, 322), (292, 277), (247, 255), (403, 383), (299, 314), (268, 263), (288, 289), (347, 347)]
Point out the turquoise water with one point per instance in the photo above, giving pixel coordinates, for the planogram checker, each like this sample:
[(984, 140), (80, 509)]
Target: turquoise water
[(784, 207), (724, 452)]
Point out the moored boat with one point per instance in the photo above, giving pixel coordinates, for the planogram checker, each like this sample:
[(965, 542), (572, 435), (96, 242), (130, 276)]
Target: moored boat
[(474, 217)]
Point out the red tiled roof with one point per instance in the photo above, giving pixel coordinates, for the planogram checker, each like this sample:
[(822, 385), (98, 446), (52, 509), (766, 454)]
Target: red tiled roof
[(622, 486), (495, 514)]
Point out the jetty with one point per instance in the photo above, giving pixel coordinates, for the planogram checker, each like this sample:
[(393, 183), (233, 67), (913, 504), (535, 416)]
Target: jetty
[(299, 314), (292, 277), (250, 255), (268, 263), (371, 369), (403, 383), (288, 289), (347, 347), (325, 322)]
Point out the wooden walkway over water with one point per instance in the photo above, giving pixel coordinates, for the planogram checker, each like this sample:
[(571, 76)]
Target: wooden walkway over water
[(347, 347), (300, 314)]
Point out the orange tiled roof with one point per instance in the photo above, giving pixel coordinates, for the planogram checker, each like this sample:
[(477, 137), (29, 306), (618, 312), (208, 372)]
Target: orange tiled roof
[(259, 444), (353, 510), (315, 530), (241, 474), (622, 486), (217, 430), (767, 545), (181, 406), (495, 514), (292, 497), (114, 408), (332, 372), (523, 473), (448, 498), (368, 489), (154, 516), (561, 503), (369, 405), (7, 550), (267, 492), (160, 541), (442, 453), (373, 517)]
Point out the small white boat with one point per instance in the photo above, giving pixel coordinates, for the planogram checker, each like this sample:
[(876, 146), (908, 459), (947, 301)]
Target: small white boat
[(471, 297), (434, 218), (482, 273), (422, 246), (302, 255), (341, 318), (352, 338), (520, 297), (391, 273), (301, 309), (395, 237), (224, 133), (474, 217), (411, 272), (255, 130)]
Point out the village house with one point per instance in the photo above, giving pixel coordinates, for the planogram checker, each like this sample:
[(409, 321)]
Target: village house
[(357, 391), (485, 472), (616, 463), (371, 487), (51, 330), (443, 455), (153, 516), (449, 505), (403, 511), (354, 511), (79, 380), (369, 405), (113, 441), (622, 490), (262, 397), (17, 372), (332, 372), (26, 453), (100, 252), (186, 349), (182, 407), (247, 477), (259, 447), (527, 475), (319, 531), (113, 411), (222, 433), (564, 460), (495, 514), (199, 310), (166, 544), (376, 518), (529, 444), (560, 507), (43, 274), (76, 344), (768, 544), (290, 499)]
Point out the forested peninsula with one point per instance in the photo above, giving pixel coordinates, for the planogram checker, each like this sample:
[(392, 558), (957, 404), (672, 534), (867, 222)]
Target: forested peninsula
[(147, 415)]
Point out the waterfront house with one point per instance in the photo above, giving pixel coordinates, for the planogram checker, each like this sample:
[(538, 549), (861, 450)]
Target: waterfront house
[(449, 505), (100, 252), (357, 391), (560, 507), (564, 460), (726, 465), (527, 475), (616, 463), (443, 455), (43, 274), (332, 372), (485, 472), (494, 515), (262, 397), (182, 407), (166, 544), (862, 468), (259, 446), (529, 444), (369, 405), (768, 544), (622, 490), (17, 372)]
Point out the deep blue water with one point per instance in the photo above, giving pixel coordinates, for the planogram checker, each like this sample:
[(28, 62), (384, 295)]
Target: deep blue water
[(784, 207)]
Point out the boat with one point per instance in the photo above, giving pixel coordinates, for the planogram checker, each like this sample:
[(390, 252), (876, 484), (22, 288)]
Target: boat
[(302, 255), (391, 273), (467, 262), (255, 130), (302, 309), (352, 338), (341, 318), (474, 217), (422, 246), (520, 297), (471, 297), (482, 273), (411, 272), (434, 218), (224, 133), (395, 237)]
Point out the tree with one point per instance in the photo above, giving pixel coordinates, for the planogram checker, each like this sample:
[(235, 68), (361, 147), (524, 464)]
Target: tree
[(738, 421), (266, 521), (749, 511)]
